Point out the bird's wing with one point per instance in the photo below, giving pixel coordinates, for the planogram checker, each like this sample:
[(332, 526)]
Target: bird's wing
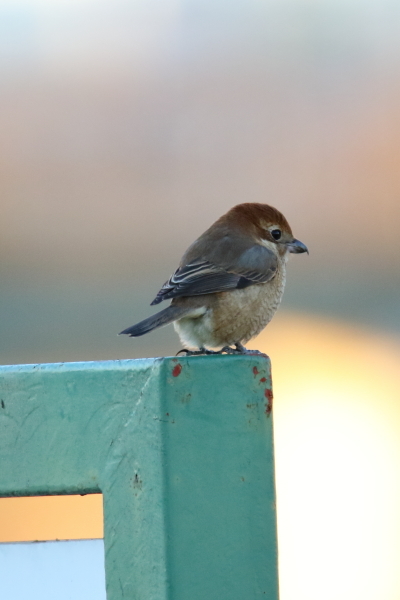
[(234, 264)]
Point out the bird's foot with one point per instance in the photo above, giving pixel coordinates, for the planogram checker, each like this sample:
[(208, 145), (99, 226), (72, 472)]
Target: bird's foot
[(240, 349), (198, 352), (229, 350)]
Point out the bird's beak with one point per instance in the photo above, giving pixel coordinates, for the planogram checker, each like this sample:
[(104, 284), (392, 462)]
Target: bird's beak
[(297, 247)]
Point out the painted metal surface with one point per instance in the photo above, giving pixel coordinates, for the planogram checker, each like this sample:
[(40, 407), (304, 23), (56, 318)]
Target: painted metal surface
[(182, 450)]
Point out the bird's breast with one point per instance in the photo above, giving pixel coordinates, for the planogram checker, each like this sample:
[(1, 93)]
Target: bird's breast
[(241, 314), (234, 316)]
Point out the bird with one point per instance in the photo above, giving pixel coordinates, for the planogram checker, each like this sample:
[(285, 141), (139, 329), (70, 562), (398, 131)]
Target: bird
[(229, 282)]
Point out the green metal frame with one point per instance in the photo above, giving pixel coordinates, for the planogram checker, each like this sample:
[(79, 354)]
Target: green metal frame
[(180, 448)]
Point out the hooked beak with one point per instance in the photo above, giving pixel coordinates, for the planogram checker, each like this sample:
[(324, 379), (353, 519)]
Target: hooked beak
[(297, 247)]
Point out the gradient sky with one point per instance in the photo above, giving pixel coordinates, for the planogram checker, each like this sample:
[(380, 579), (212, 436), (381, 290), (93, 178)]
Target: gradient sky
[(39, 571), (127, 128)]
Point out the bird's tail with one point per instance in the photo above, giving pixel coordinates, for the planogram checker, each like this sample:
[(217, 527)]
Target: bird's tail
[(168, 315)]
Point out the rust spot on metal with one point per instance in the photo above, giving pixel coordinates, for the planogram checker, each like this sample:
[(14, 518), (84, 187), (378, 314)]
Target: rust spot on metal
[(263, 379), (255, 371), (176, 371), (268, 406)]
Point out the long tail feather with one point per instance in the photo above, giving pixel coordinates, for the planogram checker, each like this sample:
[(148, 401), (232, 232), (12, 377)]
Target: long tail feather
[(168, 315)]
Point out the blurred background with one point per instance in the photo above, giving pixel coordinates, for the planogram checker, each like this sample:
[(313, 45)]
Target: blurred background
[(126, 128)]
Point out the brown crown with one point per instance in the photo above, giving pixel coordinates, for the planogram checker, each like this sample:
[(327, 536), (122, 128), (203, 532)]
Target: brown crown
[(259, 215)]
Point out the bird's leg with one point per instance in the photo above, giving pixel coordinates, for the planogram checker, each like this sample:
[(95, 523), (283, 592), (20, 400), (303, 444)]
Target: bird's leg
[(240, 349), (198, 352), (229, 350), (189, 352)]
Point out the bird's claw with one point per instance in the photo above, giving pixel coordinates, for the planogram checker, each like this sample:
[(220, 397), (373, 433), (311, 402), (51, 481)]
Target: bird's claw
[(242, 350), (239, 349), (229, 350), (199, 352)]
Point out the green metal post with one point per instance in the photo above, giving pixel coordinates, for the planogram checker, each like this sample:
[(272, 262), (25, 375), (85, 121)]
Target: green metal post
[(182, 450)]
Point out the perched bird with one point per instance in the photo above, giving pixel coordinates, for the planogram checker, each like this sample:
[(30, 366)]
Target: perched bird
[(229, 282)]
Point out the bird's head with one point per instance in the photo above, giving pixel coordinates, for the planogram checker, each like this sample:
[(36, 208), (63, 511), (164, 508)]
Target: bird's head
[(267, 226)]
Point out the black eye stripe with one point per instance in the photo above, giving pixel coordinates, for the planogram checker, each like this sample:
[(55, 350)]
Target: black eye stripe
[(276, 234)]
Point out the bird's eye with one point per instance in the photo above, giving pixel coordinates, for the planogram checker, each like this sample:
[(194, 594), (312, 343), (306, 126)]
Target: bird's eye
[(276, 234)]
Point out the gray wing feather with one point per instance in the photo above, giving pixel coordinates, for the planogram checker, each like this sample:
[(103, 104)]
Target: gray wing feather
[(232, 263)]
